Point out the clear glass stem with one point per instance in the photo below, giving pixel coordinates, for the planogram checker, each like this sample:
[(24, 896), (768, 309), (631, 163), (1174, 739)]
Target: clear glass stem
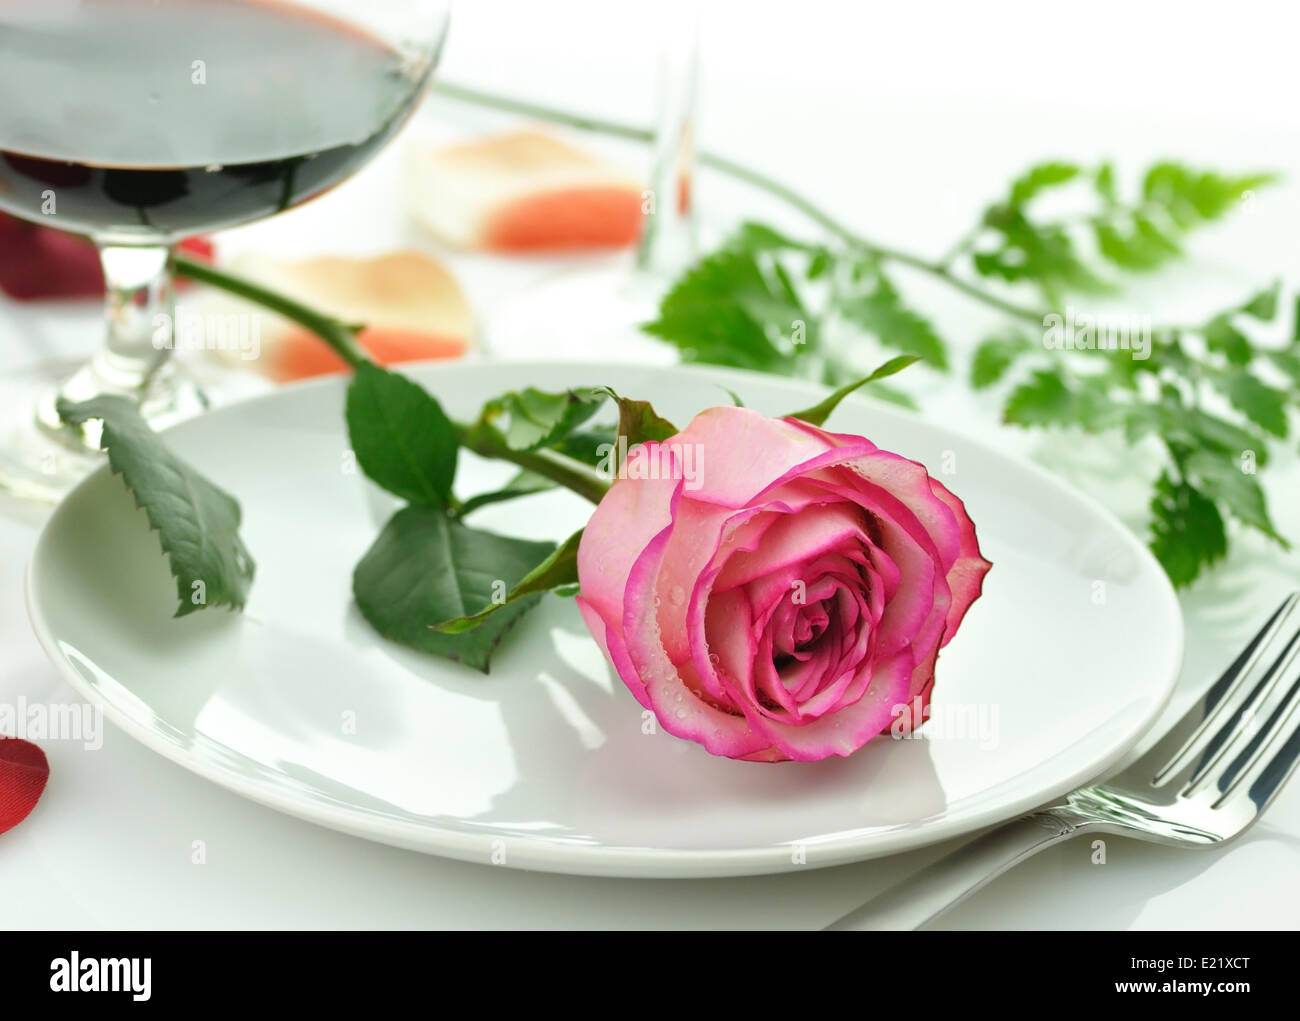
[(139, 309), (668, 230), (134, 360)]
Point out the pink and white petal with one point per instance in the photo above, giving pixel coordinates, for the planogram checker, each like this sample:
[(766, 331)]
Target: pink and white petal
[(910, 613), (966, 576), (610, 640), (833, 439), (804, 678), (812, 580), (922, 682), (729, 645), (632, 513), (845, 731), (770, 683), (966, 570), (690, 716), (699, 532), (731, 649), (797, 539), (828, 699), (910, 484), (739, 453), (912, 606)]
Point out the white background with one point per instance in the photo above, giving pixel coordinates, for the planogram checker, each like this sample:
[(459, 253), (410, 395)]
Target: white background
[(902, 119)]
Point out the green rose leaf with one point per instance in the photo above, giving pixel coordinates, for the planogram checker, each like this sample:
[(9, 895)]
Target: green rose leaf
[(820, 412), (402, 438), (426, 568), (639, 422), (530, 419), (558, 572), (197, 522)]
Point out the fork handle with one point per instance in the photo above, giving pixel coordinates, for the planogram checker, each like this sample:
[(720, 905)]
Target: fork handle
[(926, 894)]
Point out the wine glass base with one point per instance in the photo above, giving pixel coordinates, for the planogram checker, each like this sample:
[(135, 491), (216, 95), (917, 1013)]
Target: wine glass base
[(40, 457)]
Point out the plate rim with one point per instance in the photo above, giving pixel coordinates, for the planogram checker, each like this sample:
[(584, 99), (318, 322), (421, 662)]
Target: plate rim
[(575, 857)]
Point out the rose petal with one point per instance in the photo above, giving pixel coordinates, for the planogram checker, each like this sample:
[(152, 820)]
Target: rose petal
[(689, 716), (796, 539), (771, 448), (842, 733), (966, 576), (631, 514), (24, 771), (610, 639)]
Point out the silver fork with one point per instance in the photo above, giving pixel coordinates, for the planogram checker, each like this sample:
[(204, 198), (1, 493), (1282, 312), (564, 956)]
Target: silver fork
[(1204, 782)]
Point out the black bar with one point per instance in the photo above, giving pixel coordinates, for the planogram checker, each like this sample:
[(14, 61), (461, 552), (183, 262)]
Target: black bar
[(331, 970)]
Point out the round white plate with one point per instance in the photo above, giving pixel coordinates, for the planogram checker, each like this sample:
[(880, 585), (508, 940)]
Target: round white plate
[(546, 764)]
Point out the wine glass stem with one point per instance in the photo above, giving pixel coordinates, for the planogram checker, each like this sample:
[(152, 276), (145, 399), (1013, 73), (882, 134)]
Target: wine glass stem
[(134, 360), (667, 228), (139, 310)]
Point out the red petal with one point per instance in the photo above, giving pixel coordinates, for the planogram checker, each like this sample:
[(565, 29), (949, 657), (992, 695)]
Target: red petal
[(23, 772), (39, 262)]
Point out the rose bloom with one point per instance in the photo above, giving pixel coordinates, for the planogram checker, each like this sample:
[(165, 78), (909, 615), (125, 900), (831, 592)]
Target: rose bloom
[(784, 592)]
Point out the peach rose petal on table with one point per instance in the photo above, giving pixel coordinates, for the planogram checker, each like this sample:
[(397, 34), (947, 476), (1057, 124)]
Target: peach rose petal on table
[(412, 307), (526, 191)]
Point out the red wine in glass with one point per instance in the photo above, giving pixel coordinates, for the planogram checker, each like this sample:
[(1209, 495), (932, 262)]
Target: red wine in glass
[(185, 115), (139, 122)]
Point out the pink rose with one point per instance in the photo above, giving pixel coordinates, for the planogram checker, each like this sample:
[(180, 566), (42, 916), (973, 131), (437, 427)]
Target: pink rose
[(780, 593)]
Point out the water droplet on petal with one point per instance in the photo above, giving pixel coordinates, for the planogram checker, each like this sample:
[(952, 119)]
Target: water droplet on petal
[(677, 595)]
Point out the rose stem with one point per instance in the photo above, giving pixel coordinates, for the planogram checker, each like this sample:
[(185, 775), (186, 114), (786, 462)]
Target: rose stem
[(884, 253), (569, 472)]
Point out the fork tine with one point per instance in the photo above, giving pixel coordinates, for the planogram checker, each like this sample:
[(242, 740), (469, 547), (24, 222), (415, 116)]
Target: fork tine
[(1244, 721), (1219, 706), (1270, 779), (1257, 762)]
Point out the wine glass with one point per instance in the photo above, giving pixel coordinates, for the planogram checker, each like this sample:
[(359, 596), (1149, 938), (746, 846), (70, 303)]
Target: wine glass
[(138, 123), (576, 313)]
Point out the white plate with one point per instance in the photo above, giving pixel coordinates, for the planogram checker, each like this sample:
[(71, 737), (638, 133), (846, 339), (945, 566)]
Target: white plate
[(296, 703)]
